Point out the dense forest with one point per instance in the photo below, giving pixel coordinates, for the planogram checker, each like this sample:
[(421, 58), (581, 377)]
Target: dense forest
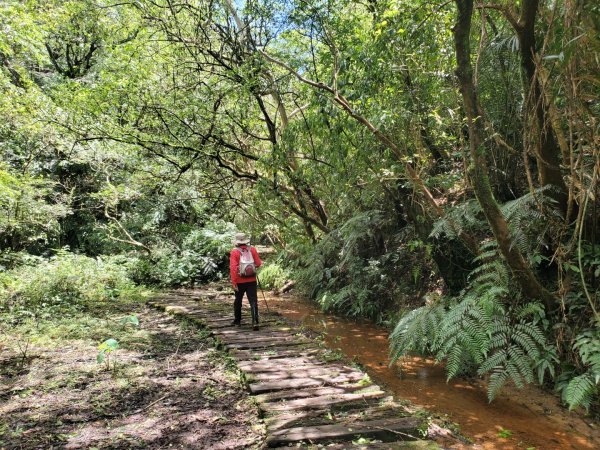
[(430, 165)]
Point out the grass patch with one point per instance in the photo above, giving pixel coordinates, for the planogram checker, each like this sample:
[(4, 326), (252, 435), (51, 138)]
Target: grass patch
[(168, 382)]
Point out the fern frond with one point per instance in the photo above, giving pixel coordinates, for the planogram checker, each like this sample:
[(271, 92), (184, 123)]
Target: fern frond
[(493, 362), (454, 362), (457, 219), (514, 374), (526, 342), (530, 309), (497, 380), (416, 331), (522, 362), (580, 391), (588, 346)]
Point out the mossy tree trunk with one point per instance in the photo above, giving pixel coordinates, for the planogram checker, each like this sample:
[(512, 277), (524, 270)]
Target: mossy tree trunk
[(519, 267)]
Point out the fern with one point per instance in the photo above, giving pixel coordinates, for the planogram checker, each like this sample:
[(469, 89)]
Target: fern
[(581, 389), (458, 219), (358, 268), (588, 346), (527, 217), (273, 276), (415, 331), (486, 329)]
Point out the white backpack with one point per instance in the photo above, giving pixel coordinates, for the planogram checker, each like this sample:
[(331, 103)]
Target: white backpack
[(247, 267)]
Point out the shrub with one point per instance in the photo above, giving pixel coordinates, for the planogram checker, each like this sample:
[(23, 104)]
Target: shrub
[(273, 276), (64, 282), (202, 255), (360, 268)]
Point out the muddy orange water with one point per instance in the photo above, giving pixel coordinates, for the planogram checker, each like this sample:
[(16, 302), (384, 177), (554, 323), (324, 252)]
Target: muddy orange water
[(533, 419)]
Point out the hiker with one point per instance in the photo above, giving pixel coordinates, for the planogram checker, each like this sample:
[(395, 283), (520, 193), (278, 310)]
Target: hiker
[(243, 263)]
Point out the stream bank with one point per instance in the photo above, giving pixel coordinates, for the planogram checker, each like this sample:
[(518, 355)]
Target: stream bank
[(517, 419)]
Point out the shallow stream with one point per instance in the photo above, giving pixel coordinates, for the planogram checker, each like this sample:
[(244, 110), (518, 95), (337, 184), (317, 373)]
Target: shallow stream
[(517, 419)]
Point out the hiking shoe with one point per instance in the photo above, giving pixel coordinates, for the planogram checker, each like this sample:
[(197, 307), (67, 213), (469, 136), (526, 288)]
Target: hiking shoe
[(235, 323), (255, 327)]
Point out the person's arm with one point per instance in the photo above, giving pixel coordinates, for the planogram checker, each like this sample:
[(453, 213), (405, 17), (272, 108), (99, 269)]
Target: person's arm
[(257, 260), (234, 262)]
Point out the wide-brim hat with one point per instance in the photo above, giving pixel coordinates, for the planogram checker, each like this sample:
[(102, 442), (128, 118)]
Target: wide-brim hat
[(241, 239)]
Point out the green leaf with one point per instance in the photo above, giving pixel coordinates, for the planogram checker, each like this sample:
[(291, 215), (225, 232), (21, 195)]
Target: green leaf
[(108, 346), (133, 320)]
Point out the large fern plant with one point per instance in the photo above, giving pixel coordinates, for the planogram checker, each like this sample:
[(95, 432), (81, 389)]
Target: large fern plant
[(486, 330), (527, 218), (580, 389)]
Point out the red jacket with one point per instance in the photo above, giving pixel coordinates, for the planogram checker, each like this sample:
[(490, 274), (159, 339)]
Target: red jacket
[(234, 264)]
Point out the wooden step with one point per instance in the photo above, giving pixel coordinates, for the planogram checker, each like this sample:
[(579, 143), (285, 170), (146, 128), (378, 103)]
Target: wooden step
[(226, 325), (321, 372), (298, 418), (295, 383), (341, 413), (319, 402), (258, 339), (405, 428), (267, 345), (256, 368), (261, 355), (304, 393), (374, 445), (264, 335), (237, 330)]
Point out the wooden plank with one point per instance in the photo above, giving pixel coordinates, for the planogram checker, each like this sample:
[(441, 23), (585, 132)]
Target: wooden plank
[(239, 334), (288, 420), (313, 372), (273, 366), (292, 361), (260, 337), (257, 388), (259, 355), (256, 340), (268, 345), (235, 331), (295, 383), (304, 393), (227, 320), (409, 445), (319, 402), (246, 326), (405, 428), (342, 413)]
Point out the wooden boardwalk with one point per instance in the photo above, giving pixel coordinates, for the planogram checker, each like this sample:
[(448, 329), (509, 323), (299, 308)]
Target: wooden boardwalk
[(304, 396)]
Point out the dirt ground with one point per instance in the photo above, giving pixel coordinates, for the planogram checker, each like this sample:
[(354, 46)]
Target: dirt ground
[(170, 389)]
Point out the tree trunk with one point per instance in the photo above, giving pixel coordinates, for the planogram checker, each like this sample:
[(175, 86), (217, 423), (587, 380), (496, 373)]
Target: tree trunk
[(547, 148), (520, 270)]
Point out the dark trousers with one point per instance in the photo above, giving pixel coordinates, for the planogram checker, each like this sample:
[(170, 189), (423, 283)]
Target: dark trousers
[(250, 290)]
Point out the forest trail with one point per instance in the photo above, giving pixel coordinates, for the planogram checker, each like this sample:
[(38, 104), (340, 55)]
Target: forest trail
[(304, 393)]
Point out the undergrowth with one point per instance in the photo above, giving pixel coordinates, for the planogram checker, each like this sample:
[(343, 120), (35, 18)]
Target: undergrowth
[(68, 296), (273, 276), (488, 330), (201, 255), (360, 268)]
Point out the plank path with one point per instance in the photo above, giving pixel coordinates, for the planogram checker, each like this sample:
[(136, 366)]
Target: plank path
[(305, 395)]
